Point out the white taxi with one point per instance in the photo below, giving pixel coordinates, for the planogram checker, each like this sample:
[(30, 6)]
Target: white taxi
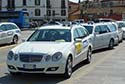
[(51, 50), (9, 33)]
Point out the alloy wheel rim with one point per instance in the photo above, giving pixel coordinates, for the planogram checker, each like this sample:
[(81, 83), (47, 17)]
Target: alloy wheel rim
[(89, 54), (69, 67), (111, 44), (15, 39)]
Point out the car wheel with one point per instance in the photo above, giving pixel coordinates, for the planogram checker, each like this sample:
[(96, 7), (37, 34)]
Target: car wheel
[(89, 56), (15, 40), (121, 39), (111, 44), (68, 70)]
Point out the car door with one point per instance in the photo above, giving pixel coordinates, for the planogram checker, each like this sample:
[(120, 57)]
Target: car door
[(79, 47), (3, 34), (120, 31), (106, 35), (10, 32), (98, 38), (85, 43)]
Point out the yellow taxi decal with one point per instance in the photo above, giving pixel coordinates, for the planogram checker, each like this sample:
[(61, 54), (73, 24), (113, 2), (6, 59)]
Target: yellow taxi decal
[(78, 47)]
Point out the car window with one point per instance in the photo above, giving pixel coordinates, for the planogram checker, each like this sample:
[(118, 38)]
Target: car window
[(89, 28), (123, 25), (104, 29), (98, 29), (10, 27), (13, 26), (75, 33), (112, 27), (84, 33), (3, 27), (120, 25), (81, 32)]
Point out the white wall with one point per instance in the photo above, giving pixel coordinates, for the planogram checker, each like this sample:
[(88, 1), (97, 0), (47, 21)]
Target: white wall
[(30, 6)]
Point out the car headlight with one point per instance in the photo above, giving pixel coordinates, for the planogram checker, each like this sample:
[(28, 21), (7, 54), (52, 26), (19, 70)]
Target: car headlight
[(16, 57), (57, 56), (10, 55), (47, 58)]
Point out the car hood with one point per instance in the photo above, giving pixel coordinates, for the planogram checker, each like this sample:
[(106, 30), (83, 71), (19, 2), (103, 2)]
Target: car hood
[(42, 47)]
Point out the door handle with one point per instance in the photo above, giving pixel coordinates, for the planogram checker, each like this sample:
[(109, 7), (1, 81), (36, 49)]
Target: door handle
[(10, 33)]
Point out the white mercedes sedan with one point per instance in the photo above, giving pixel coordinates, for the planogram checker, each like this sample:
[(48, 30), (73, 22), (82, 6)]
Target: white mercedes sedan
[(51, 50)]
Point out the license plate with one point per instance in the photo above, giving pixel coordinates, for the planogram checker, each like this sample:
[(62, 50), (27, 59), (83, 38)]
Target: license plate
[(29, 66)]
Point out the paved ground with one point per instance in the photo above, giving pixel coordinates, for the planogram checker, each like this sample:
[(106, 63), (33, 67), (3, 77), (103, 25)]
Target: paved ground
[(111, 71)]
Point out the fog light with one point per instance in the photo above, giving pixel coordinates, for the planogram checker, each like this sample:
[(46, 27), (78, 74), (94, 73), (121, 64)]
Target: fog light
[(52, 68), (11, 67)]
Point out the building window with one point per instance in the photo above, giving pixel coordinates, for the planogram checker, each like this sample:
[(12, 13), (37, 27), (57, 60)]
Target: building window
[(11, 4), (37, 2), (63, 12), (24, 2), (54, 13), (48, 4), (63, 5), (48, 12), (37, 12)]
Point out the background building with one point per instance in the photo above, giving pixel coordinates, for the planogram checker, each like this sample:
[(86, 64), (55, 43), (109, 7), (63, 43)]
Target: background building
[(39, 9), (114, 9), (0, 4), (73, 7)]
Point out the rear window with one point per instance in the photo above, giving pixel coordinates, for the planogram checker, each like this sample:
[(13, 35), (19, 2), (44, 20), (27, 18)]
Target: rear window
[(112, 27), (89, 28)]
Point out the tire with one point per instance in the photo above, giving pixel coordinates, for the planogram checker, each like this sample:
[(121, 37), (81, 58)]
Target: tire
[(89, 56), (111, 44), (15, 40), (68, 69), (121, 39)]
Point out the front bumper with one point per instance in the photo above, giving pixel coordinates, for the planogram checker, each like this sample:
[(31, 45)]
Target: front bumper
[(46, 68)]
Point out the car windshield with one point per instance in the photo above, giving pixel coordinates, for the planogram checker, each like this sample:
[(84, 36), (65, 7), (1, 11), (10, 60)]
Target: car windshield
[(89, 28), (54, 35)]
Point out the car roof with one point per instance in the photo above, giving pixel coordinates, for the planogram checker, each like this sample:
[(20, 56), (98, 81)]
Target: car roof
[(120, 21), (59, 27), (92, 24), (7, 23), (54, 27)]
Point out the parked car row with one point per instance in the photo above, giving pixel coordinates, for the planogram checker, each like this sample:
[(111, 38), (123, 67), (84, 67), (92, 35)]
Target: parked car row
[(56, 49)]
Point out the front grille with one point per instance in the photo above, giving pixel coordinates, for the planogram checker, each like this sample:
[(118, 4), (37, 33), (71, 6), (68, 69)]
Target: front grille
[(38, 69), (31, 57)]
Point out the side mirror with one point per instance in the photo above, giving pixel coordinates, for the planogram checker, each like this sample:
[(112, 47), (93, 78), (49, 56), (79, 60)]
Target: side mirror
[(78, 40)]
